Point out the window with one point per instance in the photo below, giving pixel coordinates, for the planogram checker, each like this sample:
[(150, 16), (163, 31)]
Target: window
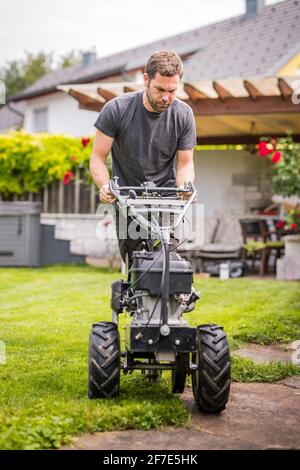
[(40, 120)]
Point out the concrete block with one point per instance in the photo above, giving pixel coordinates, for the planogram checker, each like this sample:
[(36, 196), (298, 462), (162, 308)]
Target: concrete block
[(288, 268)]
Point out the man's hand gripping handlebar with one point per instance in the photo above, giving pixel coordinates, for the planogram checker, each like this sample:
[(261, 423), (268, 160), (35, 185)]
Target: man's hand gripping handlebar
[(153, 195)]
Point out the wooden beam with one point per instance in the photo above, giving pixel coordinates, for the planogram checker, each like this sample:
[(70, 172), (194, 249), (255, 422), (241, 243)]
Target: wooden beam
[(91, 107), (236, 139), (193, 93), (252, 90), (222, 92), (85, 97), (285, 89), (265, 105), (106, 94), (86, 102), (128, 89)]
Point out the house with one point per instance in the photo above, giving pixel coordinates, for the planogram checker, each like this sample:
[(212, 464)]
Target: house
[(263, 43), (12, 116)]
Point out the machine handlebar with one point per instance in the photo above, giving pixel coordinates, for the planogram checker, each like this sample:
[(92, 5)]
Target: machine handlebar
[(148, 194)]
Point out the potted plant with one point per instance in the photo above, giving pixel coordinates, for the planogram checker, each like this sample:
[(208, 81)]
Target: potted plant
[(290, 225)]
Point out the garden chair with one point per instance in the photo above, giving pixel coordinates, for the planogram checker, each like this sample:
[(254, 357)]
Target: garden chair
[(191, 249), (216, 248), (260, 242)]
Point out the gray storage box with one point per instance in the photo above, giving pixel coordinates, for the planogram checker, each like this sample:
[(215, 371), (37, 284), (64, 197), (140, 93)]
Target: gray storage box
[(20, 233)]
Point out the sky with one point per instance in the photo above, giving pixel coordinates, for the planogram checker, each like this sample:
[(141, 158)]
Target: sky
[(107, 26)]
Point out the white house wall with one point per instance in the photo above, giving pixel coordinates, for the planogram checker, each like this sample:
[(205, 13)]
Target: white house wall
[(64, 115), (230, 182)]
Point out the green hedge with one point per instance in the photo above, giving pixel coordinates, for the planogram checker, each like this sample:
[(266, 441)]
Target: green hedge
[(29, 162)]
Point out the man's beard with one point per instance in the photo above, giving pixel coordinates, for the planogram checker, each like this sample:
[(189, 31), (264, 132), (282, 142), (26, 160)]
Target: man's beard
[(153, 103)]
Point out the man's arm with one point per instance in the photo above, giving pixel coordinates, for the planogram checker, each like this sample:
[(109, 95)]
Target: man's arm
[(185, 167), (100, 151)]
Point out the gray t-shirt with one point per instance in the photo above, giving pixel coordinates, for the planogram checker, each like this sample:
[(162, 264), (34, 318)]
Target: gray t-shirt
[(145, 143)]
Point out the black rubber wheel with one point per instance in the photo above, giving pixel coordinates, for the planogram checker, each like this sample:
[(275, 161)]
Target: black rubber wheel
[(104, 361), (211, 381), (179, 374)]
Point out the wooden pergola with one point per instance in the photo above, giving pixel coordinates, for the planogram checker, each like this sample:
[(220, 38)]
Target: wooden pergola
[(227, 111)]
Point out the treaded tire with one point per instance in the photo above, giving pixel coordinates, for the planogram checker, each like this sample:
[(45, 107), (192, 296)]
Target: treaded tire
[(179, 374), (104, 361), (211, 381)]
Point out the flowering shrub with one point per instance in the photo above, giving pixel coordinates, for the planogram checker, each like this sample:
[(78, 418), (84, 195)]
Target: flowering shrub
[(291, 223), (284, 153), (68, 176), (29, 162)]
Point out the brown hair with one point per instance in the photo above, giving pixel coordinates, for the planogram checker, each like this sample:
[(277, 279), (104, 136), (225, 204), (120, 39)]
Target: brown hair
[(167, 63)]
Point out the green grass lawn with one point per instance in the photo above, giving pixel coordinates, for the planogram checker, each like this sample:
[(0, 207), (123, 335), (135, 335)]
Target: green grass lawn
[(45, 317)]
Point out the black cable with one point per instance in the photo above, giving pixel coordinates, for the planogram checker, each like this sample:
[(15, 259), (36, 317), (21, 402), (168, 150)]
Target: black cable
[(159, 294), (145, 272), (152, 313), (160, 289), (161, 284), (175, 247), (138, 279), (163, 275), (136, 296)]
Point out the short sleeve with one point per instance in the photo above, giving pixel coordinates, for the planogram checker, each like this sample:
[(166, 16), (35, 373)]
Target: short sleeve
[(187, 139), (108, 119)]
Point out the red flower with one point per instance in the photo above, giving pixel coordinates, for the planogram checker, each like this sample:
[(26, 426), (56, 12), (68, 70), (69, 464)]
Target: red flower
[(280, 224), (67, 177), (265, 148), (277, 157), (85, 141), (298, 215), (293, 226)]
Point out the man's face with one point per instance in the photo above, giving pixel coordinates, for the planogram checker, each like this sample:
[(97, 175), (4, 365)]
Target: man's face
[(161, 91)]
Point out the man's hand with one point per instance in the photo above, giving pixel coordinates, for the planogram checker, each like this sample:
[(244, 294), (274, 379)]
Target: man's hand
[(105, 195), (185, 195)]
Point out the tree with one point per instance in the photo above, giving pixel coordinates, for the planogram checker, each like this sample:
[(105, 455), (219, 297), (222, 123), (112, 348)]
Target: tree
[(70, 58), (36, 66), (13, 78), (18, 75)]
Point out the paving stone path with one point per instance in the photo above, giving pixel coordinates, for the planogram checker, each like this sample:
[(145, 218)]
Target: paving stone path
[(258, 416)]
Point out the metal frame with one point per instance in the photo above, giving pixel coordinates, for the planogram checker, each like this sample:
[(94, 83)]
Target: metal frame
[(177, 339)]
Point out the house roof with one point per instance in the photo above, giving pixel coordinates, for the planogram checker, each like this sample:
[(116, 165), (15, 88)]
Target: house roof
[(10, 119), (238, 46)]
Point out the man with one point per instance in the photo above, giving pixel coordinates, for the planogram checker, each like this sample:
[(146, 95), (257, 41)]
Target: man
[(145, 131)]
